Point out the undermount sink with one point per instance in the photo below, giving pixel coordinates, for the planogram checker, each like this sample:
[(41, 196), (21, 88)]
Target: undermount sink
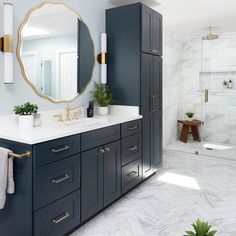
[(84, 121)]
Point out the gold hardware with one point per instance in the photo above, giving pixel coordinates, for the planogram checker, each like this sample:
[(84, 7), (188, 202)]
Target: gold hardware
[(102, 58), (132, 173), (20, 156), (68, 109), (133, 128), (66, 177), (206, 95), (59, 116), (75, 116), (107, 149), (66, 215), (101, 150), (133, 148), (154, 103), (6, 43), (61, 149), (29, 14)]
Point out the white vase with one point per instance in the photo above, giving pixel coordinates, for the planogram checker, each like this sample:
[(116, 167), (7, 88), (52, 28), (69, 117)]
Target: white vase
[(26, 122), (102, 111)]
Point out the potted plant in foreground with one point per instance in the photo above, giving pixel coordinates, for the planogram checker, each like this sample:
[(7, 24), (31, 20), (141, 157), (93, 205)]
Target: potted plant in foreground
[(103, 97), (201, 228), (190, 115), (25, 114)]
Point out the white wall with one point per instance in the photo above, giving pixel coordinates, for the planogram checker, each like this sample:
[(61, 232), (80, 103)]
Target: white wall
[(92, 13)]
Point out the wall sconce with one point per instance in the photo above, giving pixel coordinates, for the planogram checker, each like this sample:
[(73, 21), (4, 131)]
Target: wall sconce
[(6, 42), (102, 58)]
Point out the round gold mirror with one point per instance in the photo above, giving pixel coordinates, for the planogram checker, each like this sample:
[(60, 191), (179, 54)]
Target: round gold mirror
[(56, 52)]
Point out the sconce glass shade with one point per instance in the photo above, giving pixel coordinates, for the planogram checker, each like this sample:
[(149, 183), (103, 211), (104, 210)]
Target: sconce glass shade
[(8, 30), (104, 51)]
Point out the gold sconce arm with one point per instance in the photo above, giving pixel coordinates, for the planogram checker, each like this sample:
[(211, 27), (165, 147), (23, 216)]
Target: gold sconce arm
[(102, 58), (6, 43)]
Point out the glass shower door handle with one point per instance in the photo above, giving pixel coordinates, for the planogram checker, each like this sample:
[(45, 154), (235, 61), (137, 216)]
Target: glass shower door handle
[(206, 95)]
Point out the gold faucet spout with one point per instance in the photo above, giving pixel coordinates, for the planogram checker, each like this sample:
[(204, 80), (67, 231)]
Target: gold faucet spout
[(68, 109)]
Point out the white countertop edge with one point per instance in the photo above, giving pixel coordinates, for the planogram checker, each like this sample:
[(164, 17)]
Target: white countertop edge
[(64, 132)]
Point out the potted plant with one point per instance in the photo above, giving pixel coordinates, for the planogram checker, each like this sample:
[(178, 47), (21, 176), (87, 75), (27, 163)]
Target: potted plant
[(190, 115), (103, 97), (201, 228), (26, 114), (225, 83)]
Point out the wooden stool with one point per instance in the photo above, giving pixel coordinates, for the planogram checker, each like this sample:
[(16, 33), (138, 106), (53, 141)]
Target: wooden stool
[(190, 127)]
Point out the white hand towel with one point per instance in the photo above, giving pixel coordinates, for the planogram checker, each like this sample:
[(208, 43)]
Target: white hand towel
[(7, 184)]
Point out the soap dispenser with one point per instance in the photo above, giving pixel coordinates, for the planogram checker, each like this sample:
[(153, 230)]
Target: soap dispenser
[(90, 109)]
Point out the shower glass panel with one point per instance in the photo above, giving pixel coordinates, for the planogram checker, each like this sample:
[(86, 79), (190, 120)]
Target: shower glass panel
[(218, 85)]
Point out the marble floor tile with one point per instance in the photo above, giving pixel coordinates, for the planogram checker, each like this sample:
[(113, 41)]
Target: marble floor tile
[(204, 188)]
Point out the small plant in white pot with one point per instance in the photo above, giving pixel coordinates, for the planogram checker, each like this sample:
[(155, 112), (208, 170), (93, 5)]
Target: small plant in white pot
[(26, 114), (190, 115), (103, 97)]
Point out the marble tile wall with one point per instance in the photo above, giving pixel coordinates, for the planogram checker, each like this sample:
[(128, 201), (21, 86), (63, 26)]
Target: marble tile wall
[(172, 83), (218, 61)]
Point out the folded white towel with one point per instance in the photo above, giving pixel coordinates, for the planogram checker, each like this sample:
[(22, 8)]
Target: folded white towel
[(7, 184)]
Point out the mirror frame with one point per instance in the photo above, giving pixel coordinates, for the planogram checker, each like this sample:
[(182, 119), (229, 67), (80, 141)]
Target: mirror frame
[(50, 99)]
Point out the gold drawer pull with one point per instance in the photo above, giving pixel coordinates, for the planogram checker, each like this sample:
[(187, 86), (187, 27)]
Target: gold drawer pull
[(101, 150), (57, 181), (133, 148), (132, 173), (133, 128), (57, 221), (61, 149)]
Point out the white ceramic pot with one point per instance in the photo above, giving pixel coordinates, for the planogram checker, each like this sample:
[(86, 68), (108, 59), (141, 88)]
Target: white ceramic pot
[(102, 111), (26, 122), (190, 119)]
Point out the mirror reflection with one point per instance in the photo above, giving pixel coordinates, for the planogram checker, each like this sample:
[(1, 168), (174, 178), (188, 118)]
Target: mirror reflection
[(55, 44)]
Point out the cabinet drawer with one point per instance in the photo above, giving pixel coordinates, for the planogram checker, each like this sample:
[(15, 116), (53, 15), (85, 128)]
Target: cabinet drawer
[(131, 148), (131, 175), (131, 128), (56, 180), (58, 218), (55, 150), (99, 137)]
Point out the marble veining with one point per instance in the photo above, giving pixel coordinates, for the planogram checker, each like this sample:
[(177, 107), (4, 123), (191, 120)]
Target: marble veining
[(159, 208)]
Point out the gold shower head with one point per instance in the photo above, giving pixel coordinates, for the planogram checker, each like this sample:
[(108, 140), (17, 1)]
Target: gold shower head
[(210, 36)]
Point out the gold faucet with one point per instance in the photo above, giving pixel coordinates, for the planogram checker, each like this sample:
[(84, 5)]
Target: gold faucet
[(68, 109)]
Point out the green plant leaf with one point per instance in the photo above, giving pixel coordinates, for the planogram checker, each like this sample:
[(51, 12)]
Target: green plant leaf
[(190, 233), (103, 95)]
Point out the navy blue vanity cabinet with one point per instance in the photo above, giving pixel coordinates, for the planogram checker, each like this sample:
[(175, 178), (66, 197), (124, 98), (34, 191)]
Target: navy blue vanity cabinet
[(112, 172), (132, 155), (69, 180), (16, 217), (151, 30), (101, 170), (91, 183), (56, 186), (135, 71)]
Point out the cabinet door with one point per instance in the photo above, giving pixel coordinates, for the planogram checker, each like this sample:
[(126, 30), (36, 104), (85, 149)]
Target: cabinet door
[(147, 145), (157, 33), (147, 27), (157, 114), (146, 79), (112, 172), (91, 183)]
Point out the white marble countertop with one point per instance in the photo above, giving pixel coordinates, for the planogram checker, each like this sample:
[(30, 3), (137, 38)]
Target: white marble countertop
[(52, 130)]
